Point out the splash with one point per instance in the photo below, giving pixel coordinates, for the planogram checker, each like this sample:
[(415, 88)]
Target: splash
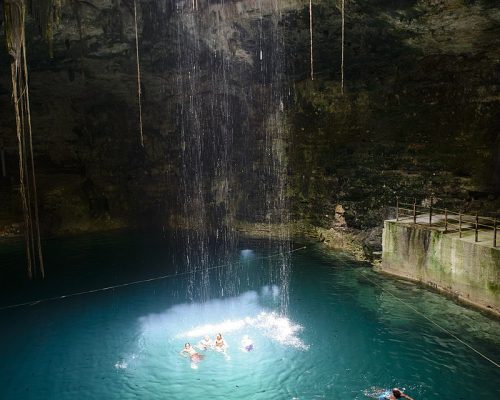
[(270, 324), (124, 363), (281, 329), (229, 315), (121, 365)]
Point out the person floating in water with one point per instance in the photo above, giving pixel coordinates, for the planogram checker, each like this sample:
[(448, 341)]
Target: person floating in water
[(205, 343), (220, 344), (246, 343), (395, 394), (191, 352)]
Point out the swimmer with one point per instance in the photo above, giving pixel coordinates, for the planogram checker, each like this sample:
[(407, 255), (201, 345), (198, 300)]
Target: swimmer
[(205, 343), (191, 352), (246, 343), (220, 344), (396, 394)]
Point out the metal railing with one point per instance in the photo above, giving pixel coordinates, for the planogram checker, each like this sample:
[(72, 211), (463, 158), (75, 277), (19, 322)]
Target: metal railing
[(449, 220)]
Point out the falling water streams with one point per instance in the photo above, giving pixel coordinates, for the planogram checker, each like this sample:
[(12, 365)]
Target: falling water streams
[(230, 116)]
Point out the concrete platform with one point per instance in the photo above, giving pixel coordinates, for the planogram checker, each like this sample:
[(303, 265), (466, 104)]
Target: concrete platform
[(464, 269), (485, 236)]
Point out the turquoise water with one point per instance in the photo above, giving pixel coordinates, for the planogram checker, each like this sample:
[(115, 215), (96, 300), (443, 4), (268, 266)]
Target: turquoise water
[(345, 335)]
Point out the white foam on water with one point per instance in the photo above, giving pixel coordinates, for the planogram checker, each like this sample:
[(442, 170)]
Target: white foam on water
[(272, 325), (280, 329), (212, 329), (121, 365), (124, 363), (228, 315)]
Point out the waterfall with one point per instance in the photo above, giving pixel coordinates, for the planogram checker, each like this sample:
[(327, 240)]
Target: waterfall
[(275, 155), (229, 113)]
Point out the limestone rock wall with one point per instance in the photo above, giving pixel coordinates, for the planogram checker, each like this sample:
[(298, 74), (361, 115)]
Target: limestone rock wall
[(419, 114)]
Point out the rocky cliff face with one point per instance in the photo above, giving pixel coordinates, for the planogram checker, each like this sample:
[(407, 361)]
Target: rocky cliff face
[(419, 114)]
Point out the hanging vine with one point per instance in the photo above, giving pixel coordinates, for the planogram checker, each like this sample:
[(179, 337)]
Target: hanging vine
[(139, 93), (47, 15), (15, 14), (311, 37), (343, 41)]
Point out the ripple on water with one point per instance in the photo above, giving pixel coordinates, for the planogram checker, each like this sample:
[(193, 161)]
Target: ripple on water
[(342, 337)]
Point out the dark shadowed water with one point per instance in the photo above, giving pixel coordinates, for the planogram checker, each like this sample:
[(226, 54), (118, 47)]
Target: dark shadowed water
[(345, 335)]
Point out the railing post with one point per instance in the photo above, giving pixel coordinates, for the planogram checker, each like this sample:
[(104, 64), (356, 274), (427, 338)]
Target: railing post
[(459, 225), (495, 232), (477, 226), (430, 213), (445, 220), (397, 208)]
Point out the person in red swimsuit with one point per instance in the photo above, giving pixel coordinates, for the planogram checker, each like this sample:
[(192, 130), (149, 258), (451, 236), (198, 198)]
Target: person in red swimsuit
[(191, 352)]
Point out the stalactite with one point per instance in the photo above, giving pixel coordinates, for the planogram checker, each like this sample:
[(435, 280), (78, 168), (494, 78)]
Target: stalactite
[(46, 14), (343, 38), (139, 93), (14, 11), (311, 38)]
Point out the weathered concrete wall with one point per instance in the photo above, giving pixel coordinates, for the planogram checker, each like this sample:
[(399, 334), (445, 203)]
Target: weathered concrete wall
[(468, 271)]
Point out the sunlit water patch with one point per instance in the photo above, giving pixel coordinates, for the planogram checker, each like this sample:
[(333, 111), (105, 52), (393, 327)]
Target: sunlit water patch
[(162, 335), (241, 314)]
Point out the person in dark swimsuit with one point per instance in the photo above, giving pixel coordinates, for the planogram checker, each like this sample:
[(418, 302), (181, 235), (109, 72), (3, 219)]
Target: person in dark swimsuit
[(247, 343)]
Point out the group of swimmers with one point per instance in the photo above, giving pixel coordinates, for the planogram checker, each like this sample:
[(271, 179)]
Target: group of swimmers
[(206, 344), (247, 345)]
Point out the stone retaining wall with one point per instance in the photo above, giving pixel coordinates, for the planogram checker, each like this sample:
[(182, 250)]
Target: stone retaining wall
[(468, 271)]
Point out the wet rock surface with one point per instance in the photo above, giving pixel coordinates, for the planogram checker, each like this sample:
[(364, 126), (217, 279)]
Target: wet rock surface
[(419, 113)]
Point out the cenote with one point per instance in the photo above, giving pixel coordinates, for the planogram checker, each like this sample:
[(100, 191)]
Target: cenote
[(316, 180), (347, 332)]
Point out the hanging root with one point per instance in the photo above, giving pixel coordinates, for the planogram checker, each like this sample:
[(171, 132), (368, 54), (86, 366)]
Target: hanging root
[(32, 166), (138, 73), (342, 62), (15, 12), (311, 37)]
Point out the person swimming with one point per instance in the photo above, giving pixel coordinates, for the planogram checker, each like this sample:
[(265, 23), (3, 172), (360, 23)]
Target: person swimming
[(192, 353), (220, 344), (205, 343), (394, 395), (246, 343)]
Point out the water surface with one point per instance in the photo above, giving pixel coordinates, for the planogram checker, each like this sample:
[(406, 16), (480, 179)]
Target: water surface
[(345, 334)]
